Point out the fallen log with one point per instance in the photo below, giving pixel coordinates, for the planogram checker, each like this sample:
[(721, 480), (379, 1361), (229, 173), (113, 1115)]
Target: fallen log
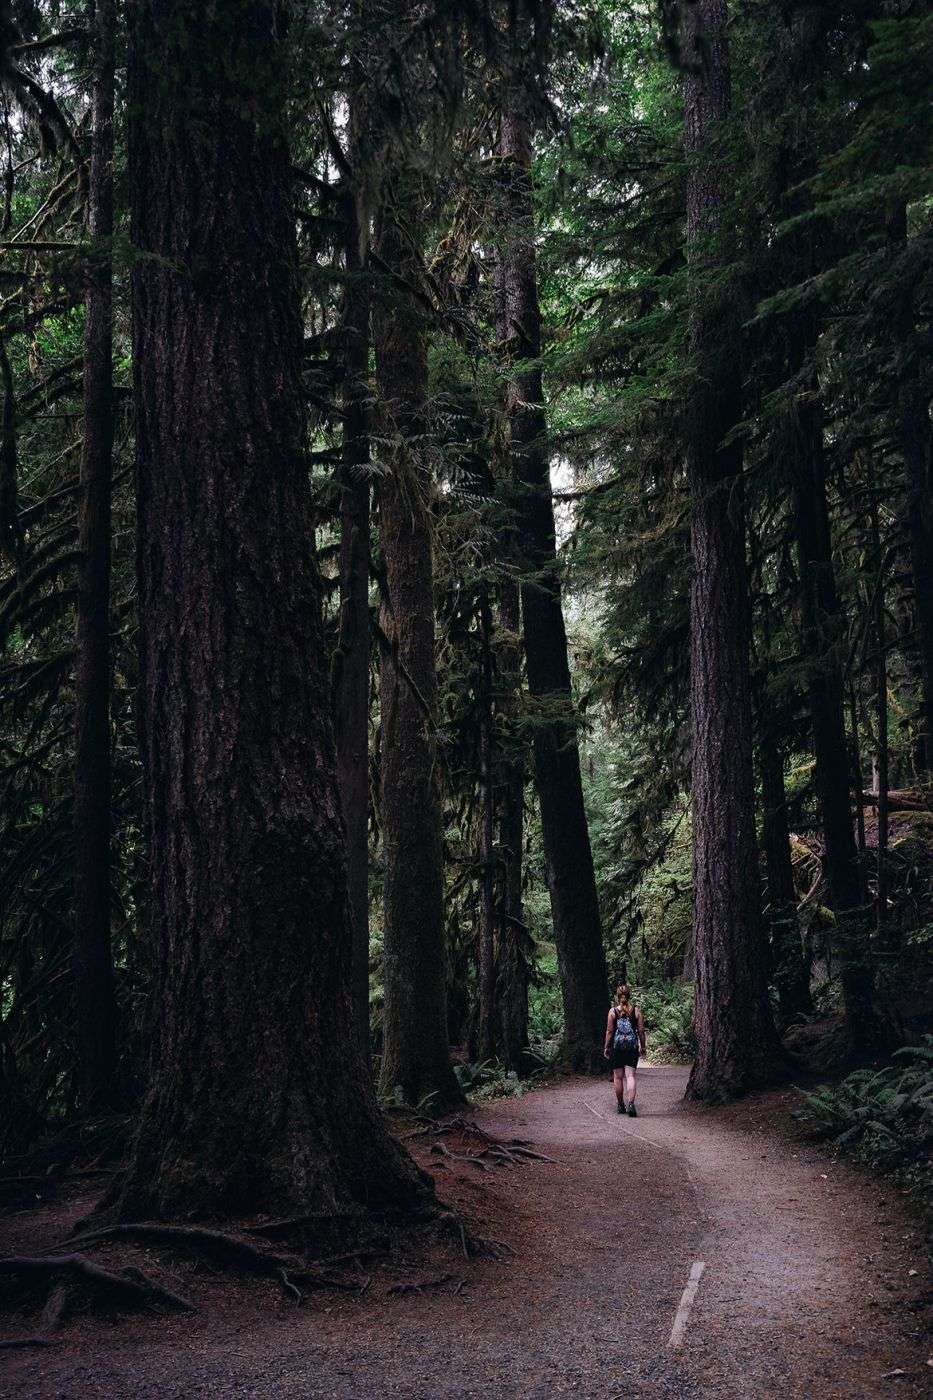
[(902, 800)]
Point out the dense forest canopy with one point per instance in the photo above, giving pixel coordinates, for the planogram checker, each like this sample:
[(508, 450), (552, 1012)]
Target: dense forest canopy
[(466, 512)]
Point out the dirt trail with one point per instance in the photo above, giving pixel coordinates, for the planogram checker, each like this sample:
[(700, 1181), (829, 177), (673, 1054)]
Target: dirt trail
[(806, 1290)]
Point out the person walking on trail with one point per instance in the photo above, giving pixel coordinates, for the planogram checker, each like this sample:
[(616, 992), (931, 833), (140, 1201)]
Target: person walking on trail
[(625, 1038)]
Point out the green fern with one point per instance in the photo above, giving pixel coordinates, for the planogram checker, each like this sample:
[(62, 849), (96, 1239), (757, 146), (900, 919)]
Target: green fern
[(884, 1117)]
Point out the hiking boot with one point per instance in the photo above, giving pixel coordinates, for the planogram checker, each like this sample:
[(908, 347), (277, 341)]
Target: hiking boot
[(620, 1106), (632, 1111)]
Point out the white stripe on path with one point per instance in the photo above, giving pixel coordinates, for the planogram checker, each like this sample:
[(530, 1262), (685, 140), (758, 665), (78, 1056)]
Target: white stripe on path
[(629, 1132), (682, 1316), (661, 1146)]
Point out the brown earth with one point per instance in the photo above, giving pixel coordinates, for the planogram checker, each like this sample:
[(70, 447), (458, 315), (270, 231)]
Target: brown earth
[(809, 1287)]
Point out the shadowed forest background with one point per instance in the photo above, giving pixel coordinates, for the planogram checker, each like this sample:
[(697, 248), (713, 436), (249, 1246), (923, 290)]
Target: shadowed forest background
[(466, 511)]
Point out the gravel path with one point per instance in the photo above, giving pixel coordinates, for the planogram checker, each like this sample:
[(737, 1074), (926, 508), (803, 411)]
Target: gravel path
[(807, 1288)]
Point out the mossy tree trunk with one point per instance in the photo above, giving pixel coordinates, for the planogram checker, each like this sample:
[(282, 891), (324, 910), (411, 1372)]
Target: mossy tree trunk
[(416, 1056), (95, 1006), (571, 878), (790, 966), (737, 1045), (259, 1098), (823, 633), (514, 969), (351, 664)]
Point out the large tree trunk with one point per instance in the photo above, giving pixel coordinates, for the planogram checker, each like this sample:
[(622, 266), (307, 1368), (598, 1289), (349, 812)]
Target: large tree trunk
[(914, 437), (416, 1055), (351, 663), (571, 879), (259, 1098), (881, 705), (487, 930), (916, 442), (737, 1045), (790, 966), (10, 525), (514, 969), (823, 637), (95, 1013)]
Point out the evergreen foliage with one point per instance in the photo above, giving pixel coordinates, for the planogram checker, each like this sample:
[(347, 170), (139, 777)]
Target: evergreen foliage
[(826, 259), (883, 1117)]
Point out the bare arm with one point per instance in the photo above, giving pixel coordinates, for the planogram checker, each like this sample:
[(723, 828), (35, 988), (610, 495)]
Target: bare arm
[(610, 1028)]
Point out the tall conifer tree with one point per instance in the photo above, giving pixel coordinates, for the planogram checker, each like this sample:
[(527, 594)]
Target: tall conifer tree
[(571, 878), (416, 1057), (259, 1099), (93, 959), (736, 1040)]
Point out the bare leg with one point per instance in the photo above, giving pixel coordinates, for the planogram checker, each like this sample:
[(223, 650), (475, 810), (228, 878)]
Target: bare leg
[(618, 1083), (630, 1083)]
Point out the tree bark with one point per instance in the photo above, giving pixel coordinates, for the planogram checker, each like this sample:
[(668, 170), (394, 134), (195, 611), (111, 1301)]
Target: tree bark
[(95, 1009), (351, 663), (416, 1056), (259, 1098), (881, 704), (914, 437), (916, 442), (737, 1045), (822, 638), (514, 970), (790, 966), (10, 527), (571, 879), (487, 929), (857, 772)]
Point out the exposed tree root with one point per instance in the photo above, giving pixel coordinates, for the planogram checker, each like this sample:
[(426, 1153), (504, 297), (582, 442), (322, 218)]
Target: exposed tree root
[(250, 1249), (52, 1314), (129, 1287), (291, 1288), (380, 1245), (473, 1246), (226, 1248), (419, 1285), (290, 1224), (501, 1149), (55, 1308), (441, 1150), (219, 1244), (432, 1128), (520, 1150)]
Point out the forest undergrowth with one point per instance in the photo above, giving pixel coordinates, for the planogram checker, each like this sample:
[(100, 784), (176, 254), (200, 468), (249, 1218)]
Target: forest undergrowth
[(883, 1119)]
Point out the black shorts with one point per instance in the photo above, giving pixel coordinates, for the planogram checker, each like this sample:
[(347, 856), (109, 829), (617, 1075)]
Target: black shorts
[(624, 1058)]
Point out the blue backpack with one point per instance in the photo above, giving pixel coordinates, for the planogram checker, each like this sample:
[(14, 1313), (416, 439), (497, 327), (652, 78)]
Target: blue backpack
[(626, 1032)]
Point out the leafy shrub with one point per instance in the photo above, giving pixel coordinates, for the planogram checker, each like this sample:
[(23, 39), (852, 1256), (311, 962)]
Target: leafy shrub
[(667, 1008), (544, 1057), (884, 1117), (426, 1107), (545, 1007), (471, 1077), (489, 1080), (668, 1011)]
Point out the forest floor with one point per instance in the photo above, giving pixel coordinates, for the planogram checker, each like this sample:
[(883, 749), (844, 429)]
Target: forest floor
[(814, 1283)]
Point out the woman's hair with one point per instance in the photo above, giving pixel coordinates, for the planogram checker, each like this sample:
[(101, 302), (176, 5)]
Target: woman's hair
[(624, 999)]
